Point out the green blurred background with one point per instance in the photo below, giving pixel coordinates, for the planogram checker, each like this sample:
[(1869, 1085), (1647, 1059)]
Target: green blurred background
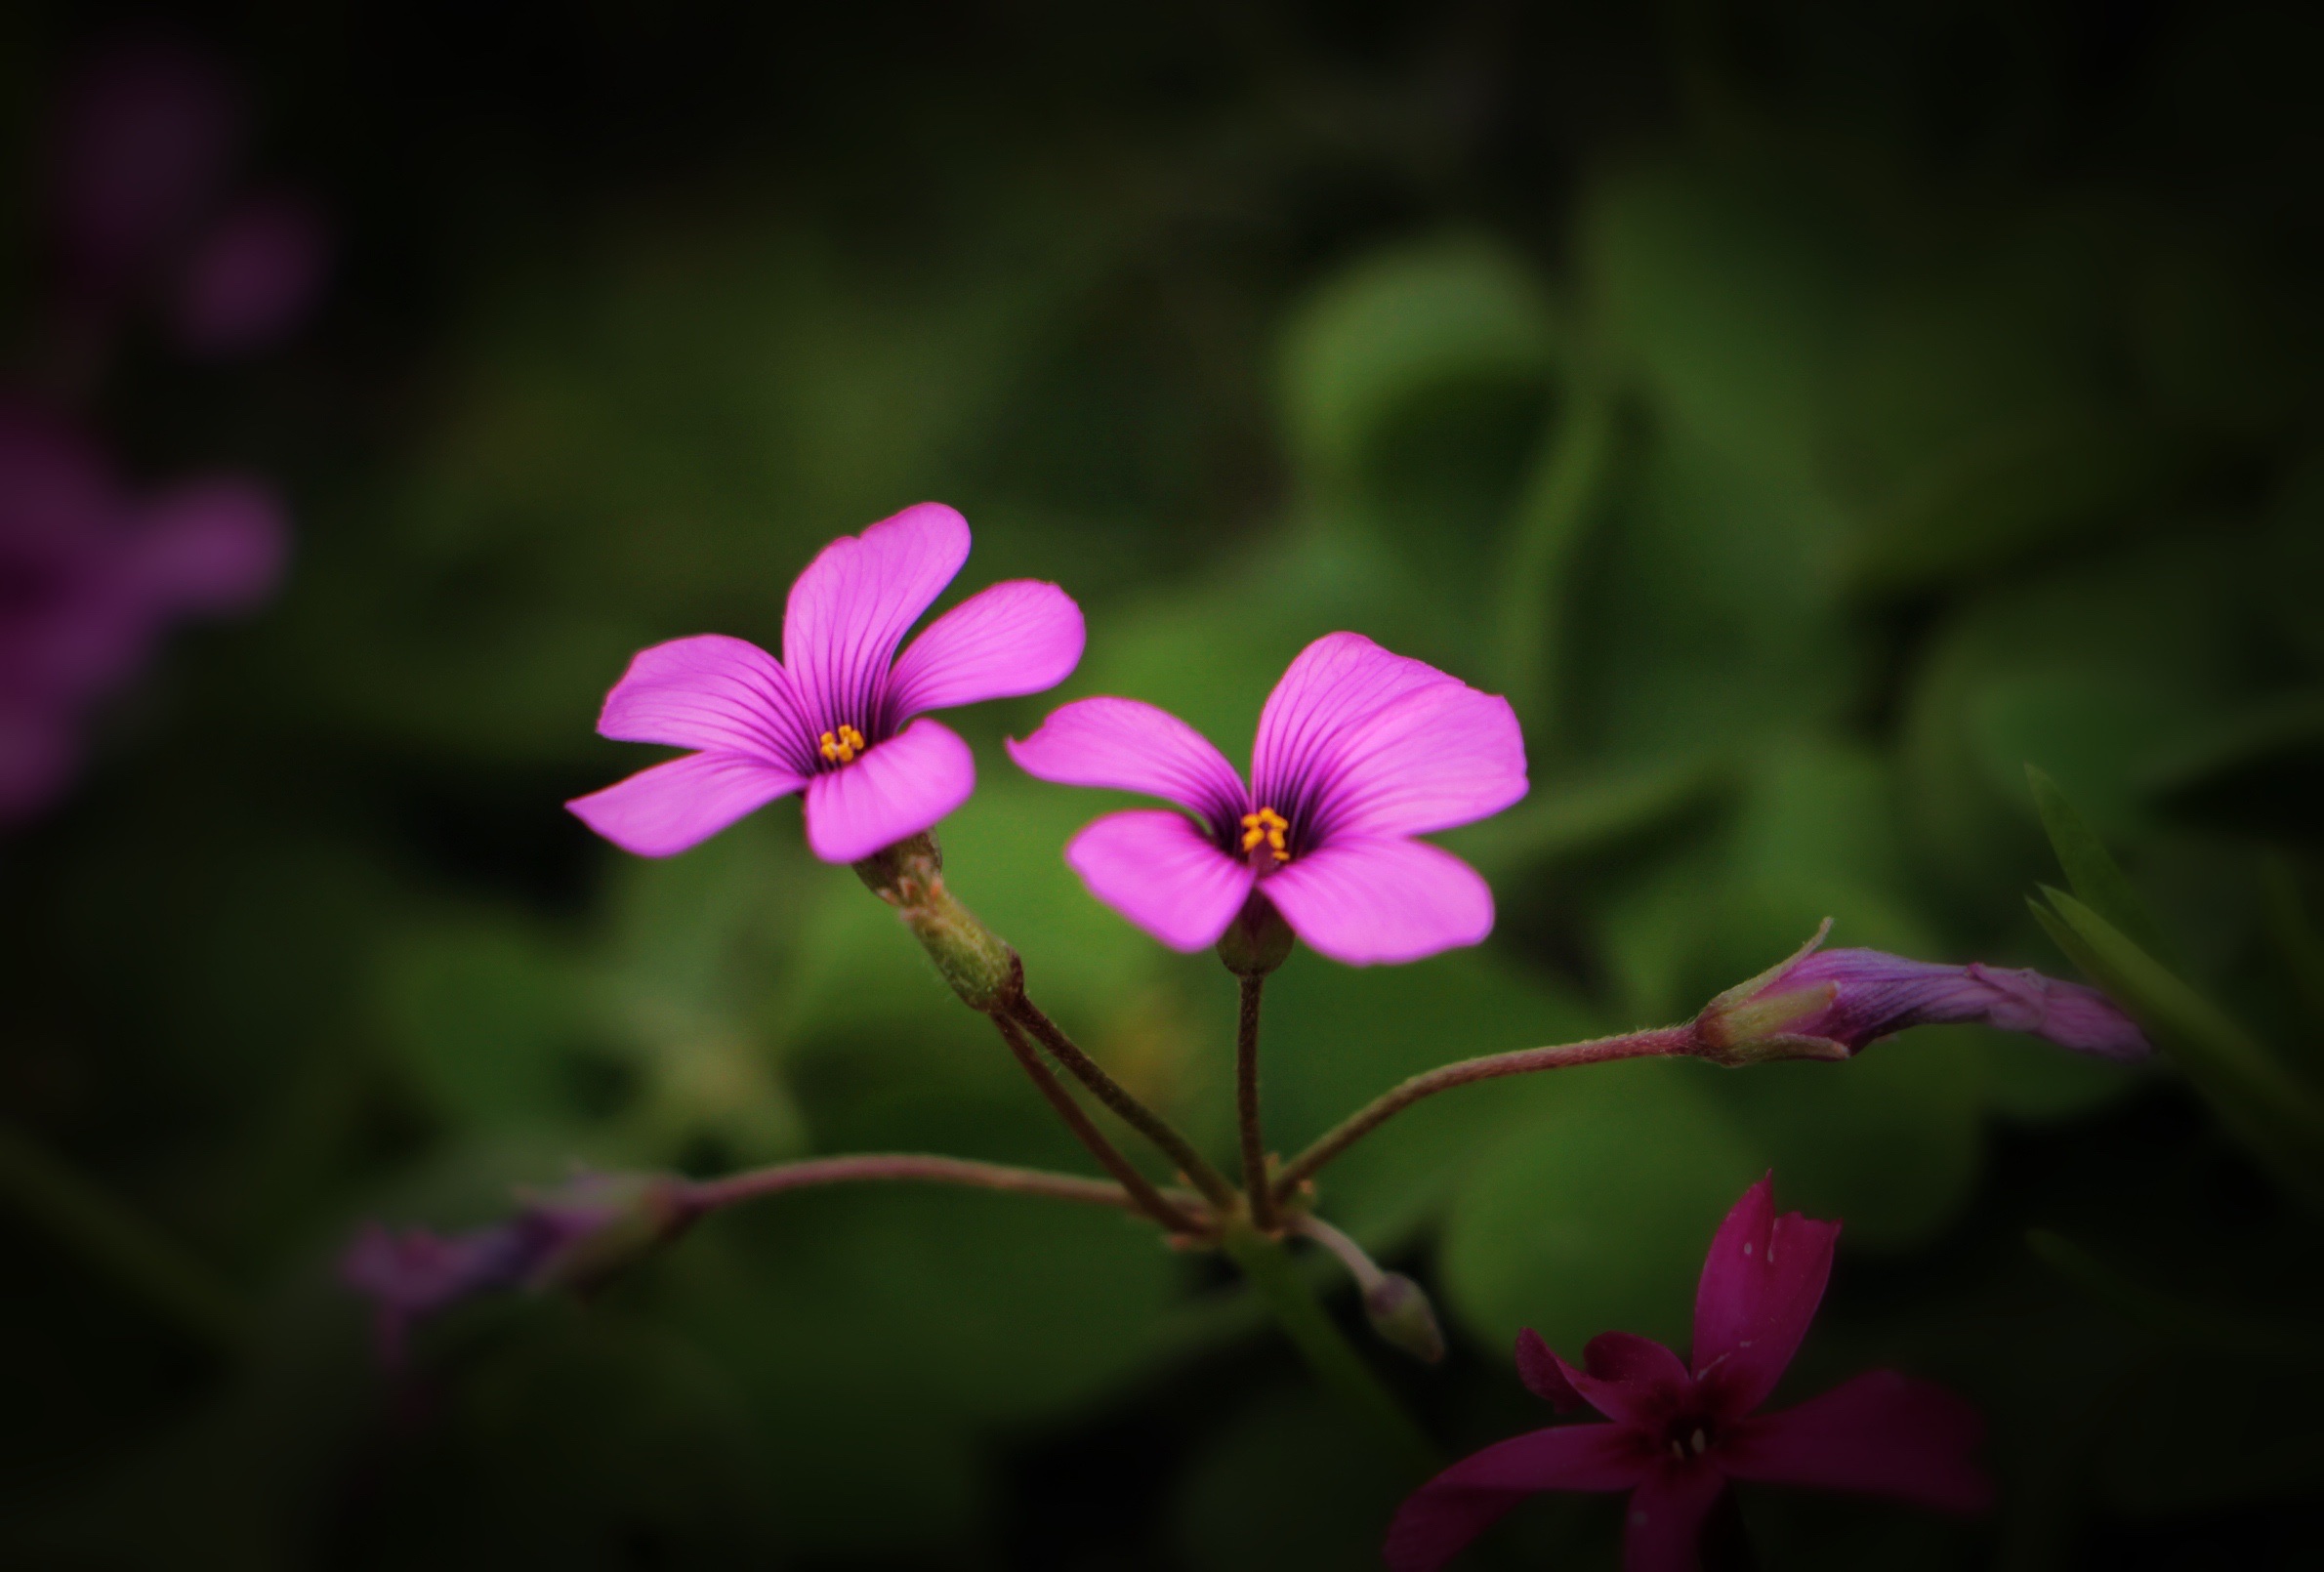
[(1807, 413)]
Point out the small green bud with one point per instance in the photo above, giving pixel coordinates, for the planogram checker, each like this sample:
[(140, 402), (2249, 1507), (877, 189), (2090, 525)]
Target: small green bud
[(1399, 1311)]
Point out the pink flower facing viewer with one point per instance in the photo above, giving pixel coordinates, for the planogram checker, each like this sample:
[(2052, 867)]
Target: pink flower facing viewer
[(834, 718), (1358, 750), (91, 574), (1850, 998), (1675, 1436)]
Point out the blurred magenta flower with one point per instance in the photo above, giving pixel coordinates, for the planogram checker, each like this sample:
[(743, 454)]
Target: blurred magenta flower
[(252, 277), (1678, 1435), (147, 134), (1358, 750), (1848, 998), (90, 576), (834, 719), (570, 1238), (147, 139)]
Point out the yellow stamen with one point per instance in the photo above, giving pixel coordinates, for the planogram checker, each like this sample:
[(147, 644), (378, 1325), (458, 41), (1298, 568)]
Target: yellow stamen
[(1267, 825), (843, 747)]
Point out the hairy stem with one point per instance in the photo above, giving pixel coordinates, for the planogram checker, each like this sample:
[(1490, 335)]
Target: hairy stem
[(708, 1195), (1327, 1354), (1136, 1115), (1246, 1098), (1662, 1041), (1108, 1155)]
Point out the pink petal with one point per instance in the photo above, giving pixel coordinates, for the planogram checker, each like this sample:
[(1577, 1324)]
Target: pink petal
[(715, 692), (213, 546), (1663, 1525), (1439, 1519), (663, 810), (897, 788), (39, 751), (1881, 1433), (1631, 1380), (1439, 756), (1760, 1284), (1332, 685), (1133, 747), (1158, 869), (1543, 1374), (1362, 901), (855, 603), (1021, 636)]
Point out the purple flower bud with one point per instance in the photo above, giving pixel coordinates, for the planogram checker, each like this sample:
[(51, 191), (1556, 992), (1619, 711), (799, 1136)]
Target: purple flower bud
[(146, 137), (252, 277), (1839, 1000), (575, 1238)]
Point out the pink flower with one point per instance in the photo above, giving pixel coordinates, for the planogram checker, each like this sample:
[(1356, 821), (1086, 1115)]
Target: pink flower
[(1358, 750), (146, 137), (834, 719), (1678, 1435), (91, 575), (1848, 998)]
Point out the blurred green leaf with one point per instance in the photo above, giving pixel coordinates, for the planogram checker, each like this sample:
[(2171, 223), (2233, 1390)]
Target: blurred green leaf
[(2097, 879)]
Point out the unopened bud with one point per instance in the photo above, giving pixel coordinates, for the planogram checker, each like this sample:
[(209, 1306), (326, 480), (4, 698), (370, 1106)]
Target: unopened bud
[(1399, 1311)]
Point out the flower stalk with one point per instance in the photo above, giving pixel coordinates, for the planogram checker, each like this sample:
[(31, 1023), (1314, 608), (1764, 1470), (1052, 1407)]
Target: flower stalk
[(1255, 1188)]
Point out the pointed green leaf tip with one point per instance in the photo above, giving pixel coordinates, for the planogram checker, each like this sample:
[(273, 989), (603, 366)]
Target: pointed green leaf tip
[(2268, 1109), (2090, 868)]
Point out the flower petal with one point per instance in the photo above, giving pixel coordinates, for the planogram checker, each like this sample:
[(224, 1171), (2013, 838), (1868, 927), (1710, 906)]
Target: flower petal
[(211, 546), (1760, 1284), (1330, 688), (1877, 995), (897, 788), (1135, 747), (1439, 1519), (1881, 1433), (856, 601), (1439, 756), (1158, 869), (1663, 1525), (663, 810), (1631, 1380), (1543, 1374), (716, 692), (1021, 636), (1364, 900)]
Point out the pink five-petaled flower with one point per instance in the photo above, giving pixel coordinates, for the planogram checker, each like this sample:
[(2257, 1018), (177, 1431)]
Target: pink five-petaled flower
[(1358, 750), (1678, 1435), (1848, 998), (835, 718)]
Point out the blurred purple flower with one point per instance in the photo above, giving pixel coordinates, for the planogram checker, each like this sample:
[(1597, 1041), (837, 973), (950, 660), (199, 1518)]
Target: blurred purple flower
[(1848, 998), (252, 277), (146, 137), (89, 579), (1358, 750), (834, 717), (571, 1238), (1679, 1434)]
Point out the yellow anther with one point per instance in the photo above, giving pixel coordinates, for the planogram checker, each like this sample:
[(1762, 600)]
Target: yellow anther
[(1269, 826), (843, 747)]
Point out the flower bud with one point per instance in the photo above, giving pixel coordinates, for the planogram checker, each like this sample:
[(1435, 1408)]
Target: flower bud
[(1399, 1311), (1830, 1004)]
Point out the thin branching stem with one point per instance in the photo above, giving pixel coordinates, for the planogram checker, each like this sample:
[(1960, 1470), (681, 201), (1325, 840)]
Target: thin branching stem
[(1662, 1041), (1136, 1115), (1108, 1155), (709, 1195)]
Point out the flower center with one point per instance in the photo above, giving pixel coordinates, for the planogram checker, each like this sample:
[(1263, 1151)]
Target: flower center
[(1269, 826), (843, 747), (1689, 1440)]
